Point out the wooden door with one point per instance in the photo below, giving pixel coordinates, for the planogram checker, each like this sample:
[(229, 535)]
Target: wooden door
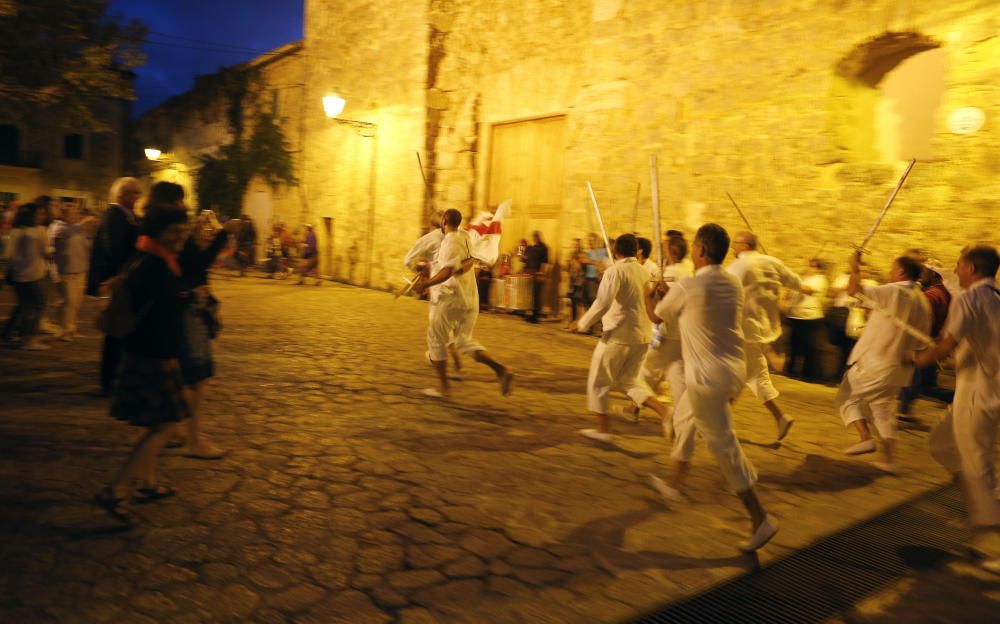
[(526, 165)]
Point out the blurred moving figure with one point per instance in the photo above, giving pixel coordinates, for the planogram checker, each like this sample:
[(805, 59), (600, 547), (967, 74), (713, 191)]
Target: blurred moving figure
[(26, 273)]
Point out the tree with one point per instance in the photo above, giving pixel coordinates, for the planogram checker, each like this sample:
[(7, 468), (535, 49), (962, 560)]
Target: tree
[(223, 177), (58, 58)]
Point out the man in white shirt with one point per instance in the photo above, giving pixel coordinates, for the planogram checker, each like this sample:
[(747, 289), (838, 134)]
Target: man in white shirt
[(708, 310), (455, 307), (964, 442), (663, 358), (876, 371), (418, 260), (762, 277), (617, 358)]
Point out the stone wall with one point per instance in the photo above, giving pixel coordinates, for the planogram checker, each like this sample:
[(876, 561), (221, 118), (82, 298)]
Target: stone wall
[(736, 96)]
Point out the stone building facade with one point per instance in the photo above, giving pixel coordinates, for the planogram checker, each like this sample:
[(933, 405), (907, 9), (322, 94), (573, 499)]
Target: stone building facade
[(64, 163), (187, 127), (806, 111)]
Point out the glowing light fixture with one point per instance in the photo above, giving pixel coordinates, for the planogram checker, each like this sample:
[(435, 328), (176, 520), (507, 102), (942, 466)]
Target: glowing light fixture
[(333, 105), (966, 120), (152, 153)]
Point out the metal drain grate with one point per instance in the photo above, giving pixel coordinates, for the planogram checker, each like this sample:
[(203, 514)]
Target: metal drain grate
[(833, 575)]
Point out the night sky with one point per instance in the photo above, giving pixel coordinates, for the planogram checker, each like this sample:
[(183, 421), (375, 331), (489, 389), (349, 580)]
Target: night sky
[(201, 35)]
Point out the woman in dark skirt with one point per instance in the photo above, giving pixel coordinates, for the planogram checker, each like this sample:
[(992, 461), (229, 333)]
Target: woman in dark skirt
[(149, 392)]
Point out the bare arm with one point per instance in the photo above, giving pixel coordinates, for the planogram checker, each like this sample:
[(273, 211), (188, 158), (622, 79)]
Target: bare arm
[(941, 349), (653, 292)]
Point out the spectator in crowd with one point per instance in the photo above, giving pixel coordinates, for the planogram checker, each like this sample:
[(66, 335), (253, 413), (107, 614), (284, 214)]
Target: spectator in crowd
[(246, 244), (310, 256), (645, 258), (805, 320), (593, 268), (72, 236), (276, 265), (149, 392), (924, 380), (574, 268), (26, 273), (113, 249), (536, 263)]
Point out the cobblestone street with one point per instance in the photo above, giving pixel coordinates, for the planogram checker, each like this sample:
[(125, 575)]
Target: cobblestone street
[(348, 497)]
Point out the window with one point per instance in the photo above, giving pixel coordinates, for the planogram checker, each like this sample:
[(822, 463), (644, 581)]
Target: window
[(73, 146), (10, 144)]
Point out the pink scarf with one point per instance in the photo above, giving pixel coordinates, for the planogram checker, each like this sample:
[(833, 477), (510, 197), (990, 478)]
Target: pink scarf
[(154, 247)]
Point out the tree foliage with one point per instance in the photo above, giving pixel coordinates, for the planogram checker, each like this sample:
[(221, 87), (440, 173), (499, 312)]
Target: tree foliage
[(224, 177), (58, 58)]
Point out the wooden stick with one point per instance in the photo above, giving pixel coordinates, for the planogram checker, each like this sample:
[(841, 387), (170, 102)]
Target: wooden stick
[(863, 247), (635, 208), (600, 222), (747, 223), (655, 192)]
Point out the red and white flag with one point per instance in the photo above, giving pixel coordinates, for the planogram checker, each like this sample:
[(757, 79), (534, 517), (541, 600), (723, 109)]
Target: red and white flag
[(484, 233)]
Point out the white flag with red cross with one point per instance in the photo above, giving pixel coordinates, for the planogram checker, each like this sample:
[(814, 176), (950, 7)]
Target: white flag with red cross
[(484, 233)]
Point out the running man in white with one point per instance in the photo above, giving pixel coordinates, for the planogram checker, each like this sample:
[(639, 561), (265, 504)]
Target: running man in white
[(876, 371), (708, 309), (418, 260), (618, 355), (965, 440), (455, 307), (762, 277)]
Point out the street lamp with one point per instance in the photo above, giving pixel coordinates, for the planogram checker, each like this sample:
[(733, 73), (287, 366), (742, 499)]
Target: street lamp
[(333, 105), (152, 153)]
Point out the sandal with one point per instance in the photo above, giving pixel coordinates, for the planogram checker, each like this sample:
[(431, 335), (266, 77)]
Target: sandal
[(116, 507), (157, 492)]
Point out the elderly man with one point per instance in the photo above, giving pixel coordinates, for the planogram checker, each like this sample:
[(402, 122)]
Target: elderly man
[(762, 277), (965, 440), (876, 371), (455, 307), (113, 247), (707, 309)]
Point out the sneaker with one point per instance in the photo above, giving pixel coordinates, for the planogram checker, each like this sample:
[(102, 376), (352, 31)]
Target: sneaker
[(50, 329), (886, 467), (35, 346), (506, 383), (862, 447), (669, 494), (432, 393), (761, 536), (204, 451), (783, 427), (596, 435)]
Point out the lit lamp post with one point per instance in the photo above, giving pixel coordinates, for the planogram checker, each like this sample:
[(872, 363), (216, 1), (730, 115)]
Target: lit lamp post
[(167, 163), (333, 105)]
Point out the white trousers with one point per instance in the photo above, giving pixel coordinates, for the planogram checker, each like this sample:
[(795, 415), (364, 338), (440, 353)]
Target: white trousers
[(449, 324), (758, 374), (71, 288), (869, 397), (615, 367), (712, 416), (667, 361), (964, 441)]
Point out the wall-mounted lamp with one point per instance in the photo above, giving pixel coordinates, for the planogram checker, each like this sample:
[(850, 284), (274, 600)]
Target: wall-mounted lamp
[(333, 105), (152, 153)]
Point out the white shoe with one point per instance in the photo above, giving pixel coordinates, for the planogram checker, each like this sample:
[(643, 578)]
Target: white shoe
[(862, 447), (432, 393), (761, 536), (204, 451), (594, 434), (990, 565), (783, 427), (669, 494), (892, 469), (506, 383), (35, 346)]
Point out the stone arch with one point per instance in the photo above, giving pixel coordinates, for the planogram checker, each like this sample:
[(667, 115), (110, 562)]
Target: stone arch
[(885, 93)]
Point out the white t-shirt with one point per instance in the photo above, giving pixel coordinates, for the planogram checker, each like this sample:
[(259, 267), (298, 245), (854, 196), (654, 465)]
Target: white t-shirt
[(653, 268), (974, 323), (458, 290), (424, 249), (708, 309), (27, 254), (620, 304), (809, 307), (762, 278), (882, 345)]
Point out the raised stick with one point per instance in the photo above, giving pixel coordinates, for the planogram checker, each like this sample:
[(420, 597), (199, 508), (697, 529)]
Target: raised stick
[(863, 247), (600, 222), (635, 208), (654, 185), (746, 222)]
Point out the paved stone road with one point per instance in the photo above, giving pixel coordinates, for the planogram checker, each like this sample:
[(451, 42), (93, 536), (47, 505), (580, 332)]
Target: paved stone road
[(347, 497)]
